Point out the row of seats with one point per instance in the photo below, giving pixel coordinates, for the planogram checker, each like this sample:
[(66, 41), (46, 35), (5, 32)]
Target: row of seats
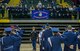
[(58, 13), (63, 13), (53, 13), (29, 3), (17, 12)]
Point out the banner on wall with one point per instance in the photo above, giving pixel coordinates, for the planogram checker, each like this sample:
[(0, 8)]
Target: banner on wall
[(40, 14)]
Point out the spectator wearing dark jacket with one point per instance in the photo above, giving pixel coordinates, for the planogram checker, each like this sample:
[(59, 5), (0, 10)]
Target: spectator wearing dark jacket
[(34, 38)]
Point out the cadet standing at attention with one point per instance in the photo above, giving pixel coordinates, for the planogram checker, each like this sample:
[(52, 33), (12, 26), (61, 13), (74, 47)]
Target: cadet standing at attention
[(70, 40), (46, 34), (78, 36)]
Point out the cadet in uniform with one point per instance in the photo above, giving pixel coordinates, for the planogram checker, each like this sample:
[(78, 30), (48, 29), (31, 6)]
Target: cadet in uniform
[(19, 33), (46, 34), (55, 40), (75, 32), (78, 36), (8, 40), (70, 40)]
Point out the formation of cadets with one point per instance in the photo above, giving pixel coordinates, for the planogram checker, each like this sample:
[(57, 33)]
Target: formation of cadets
[(50, 39), (12, 39)]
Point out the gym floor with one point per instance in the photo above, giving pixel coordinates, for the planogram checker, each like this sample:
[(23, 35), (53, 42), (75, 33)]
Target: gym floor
[(28, 47)]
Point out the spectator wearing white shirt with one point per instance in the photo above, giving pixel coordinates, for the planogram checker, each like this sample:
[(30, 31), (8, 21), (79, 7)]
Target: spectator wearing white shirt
[(39, 4), (71, 8)]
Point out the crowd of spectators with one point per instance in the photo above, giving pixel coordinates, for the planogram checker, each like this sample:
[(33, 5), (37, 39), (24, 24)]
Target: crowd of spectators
[(55, 11), (76, 2), (3, 5)]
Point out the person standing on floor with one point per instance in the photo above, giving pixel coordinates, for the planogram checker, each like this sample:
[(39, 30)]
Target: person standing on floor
[(19, 33), (55, 40), (8, 40), (46, 34), (78, 37), (70, 40), (34, 36), (40, 38)]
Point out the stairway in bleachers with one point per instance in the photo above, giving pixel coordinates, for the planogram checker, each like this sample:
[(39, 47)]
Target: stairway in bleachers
[(28, 25)]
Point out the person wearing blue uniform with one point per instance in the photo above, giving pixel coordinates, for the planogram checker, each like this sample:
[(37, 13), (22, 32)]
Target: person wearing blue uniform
[(70, 40), (19, 33), (46, 34), (78, 37), (55, 40), (40, 38), (75, 32), (34, 36), (0, 46), (73, 29), (19, 30), (8, 40)]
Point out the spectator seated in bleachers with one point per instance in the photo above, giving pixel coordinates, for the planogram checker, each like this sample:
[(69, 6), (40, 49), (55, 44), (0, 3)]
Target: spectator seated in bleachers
[(17, 12), (2, 11), (45, 0), (39, 4), (44, 8), (55, 11), (53, 3), (49, 6)]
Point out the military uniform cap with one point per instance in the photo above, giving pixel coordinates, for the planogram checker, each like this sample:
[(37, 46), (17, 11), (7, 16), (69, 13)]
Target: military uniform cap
[(7, 29), (55, 29)]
